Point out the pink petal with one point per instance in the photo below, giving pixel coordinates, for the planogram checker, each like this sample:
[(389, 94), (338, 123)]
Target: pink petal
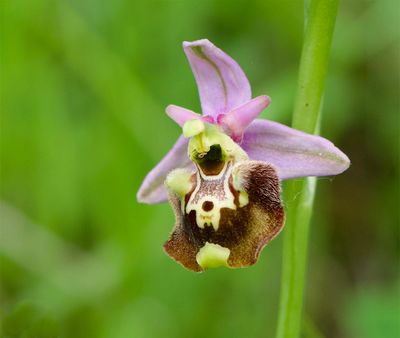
[(221, 82), (152, 189), (181, 115), (237, 120), (292, 152)]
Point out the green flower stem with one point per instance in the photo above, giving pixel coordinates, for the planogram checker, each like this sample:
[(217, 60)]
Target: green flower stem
[(299, 194)]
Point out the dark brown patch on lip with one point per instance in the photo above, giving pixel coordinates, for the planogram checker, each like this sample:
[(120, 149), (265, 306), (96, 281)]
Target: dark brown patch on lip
[(234, 192), (244, 231), (182, 246), (207, 205), (193, 181)]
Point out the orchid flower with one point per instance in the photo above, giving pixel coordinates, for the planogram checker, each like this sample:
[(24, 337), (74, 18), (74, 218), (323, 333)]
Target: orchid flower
[(222, 177)]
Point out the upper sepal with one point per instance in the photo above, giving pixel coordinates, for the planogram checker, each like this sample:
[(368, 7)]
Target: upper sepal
[(221, 82)]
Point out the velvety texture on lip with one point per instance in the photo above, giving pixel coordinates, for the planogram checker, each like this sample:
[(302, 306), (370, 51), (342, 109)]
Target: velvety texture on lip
[(244, 230)]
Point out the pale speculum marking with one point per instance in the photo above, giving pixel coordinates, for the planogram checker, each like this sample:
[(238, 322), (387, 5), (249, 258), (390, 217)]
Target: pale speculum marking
[(212, 193)]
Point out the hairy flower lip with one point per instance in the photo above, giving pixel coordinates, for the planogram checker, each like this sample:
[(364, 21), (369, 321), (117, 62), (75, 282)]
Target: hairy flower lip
[(240, 231)]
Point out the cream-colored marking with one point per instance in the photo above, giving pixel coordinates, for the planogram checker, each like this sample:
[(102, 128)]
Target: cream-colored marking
[(208, 188), (212, 256), (179, 182), (237, 183), (213, 188)]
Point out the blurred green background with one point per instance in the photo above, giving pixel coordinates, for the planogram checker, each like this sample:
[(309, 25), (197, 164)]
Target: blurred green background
[(84, 85)]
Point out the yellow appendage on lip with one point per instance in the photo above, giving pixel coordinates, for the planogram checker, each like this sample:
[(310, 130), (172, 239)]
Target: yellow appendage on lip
[(243, 199), (212, 256), (179, 181)]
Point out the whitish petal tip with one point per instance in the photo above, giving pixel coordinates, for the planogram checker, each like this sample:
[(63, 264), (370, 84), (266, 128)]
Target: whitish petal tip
[(196, 42)]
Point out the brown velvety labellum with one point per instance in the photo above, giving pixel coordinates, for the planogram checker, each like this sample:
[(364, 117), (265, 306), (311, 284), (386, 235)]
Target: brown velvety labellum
[(243, 230)]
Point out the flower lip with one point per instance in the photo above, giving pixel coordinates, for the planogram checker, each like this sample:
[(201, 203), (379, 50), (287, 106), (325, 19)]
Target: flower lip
[(222, 224)]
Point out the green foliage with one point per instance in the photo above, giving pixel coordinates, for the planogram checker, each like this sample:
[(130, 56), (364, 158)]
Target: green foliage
[(27, 321), (371, 312), (83, 88)]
